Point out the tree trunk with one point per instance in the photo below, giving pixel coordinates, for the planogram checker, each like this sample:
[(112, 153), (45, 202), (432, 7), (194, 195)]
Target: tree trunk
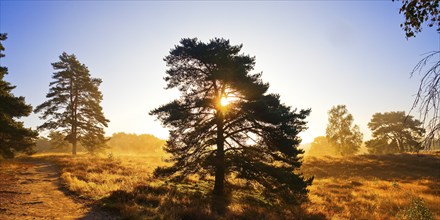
[(219, 185), (74, 147), (73, 139)]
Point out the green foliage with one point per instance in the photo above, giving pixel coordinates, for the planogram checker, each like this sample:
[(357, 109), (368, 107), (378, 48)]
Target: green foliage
[(321, 147), (254, 137), (394, 132), (73, 105), (418, 12), (415, 211), (341, 132), (14, 137), (124, 143)]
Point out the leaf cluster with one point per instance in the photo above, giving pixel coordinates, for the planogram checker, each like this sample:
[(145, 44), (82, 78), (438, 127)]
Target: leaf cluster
[(418, 12)]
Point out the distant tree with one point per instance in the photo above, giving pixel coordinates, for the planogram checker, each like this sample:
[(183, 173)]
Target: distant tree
[(74, 107), (321, 147), (225, 122), (341, 133), (136, 144), (418, 12), (52, 143), (14, 137), (57, 140), (394, 132), (42, 144)]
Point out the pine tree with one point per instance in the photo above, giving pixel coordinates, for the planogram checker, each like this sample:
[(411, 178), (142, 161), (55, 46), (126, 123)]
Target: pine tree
[(225, 123), (73, 105), (394, 132), (14, 137)]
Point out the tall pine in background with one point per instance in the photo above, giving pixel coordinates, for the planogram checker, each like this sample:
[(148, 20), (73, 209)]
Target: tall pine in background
[(14, 137), (73, 105)]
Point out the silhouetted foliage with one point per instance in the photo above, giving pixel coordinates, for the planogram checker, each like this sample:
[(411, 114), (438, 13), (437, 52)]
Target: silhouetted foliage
[(14, 137), (254, 137), (136, 144), (341, 133), (394, 132), (418, 12), (74, 107), (321, 147)]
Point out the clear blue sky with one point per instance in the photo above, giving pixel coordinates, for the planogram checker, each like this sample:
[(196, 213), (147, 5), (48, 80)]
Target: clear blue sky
[(314, 54)]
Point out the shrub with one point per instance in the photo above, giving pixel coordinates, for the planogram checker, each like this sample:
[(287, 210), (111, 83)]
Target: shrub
[(415, 211)]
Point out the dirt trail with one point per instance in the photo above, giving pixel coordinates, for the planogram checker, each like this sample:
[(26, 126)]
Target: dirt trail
[(31, 190)]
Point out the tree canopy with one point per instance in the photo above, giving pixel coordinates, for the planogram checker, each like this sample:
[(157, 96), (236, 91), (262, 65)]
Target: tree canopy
[(394, 132), (341, 133), (226, 123), (73, 105), (14, 137)]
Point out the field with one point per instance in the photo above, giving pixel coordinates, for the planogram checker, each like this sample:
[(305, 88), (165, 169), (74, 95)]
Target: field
[(403, 186)]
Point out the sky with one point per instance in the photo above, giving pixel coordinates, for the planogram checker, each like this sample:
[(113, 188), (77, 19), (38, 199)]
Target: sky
[(315, 54)]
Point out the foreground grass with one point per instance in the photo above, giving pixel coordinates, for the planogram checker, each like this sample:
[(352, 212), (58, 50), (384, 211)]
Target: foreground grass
[(359, 187), (125, 186)]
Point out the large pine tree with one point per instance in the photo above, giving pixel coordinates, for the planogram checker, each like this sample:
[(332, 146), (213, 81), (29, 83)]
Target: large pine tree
[(226, 123), (14, 137), (73, 105)]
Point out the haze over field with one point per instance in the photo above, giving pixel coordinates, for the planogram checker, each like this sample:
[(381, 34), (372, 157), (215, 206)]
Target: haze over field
[(314, 54)]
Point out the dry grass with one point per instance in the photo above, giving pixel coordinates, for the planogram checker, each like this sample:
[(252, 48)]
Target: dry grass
[(359, 187), (373, 187), (95, 177)]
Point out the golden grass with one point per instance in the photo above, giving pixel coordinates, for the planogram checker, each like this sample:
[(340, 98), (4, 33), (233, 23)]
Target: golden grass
[(97, 177), (373, 187), (358, 187)]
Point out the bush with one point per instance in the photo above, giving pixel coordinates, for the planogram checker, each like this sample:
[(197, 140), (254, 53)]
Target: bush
[(415, 211)]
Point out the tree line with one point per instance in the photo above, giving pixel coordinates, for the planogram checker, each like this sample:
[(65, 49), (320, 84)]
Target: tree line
[(118, 143), (392, 132)]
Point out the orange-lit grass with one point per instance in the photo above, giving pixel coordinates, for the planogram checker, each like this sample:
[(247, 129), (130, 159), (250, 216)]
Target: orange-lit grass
[(96, 177), (358, 187), (124, 184), (373, 187)]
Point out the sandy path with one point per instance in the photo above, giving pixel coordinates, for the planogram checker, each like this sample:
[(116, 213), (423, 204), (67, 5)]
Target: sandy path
[(31, 190)]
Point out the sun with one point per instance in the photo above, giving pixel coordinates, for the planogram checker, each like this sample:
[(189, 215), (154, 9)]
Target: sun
[(224, 101)]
